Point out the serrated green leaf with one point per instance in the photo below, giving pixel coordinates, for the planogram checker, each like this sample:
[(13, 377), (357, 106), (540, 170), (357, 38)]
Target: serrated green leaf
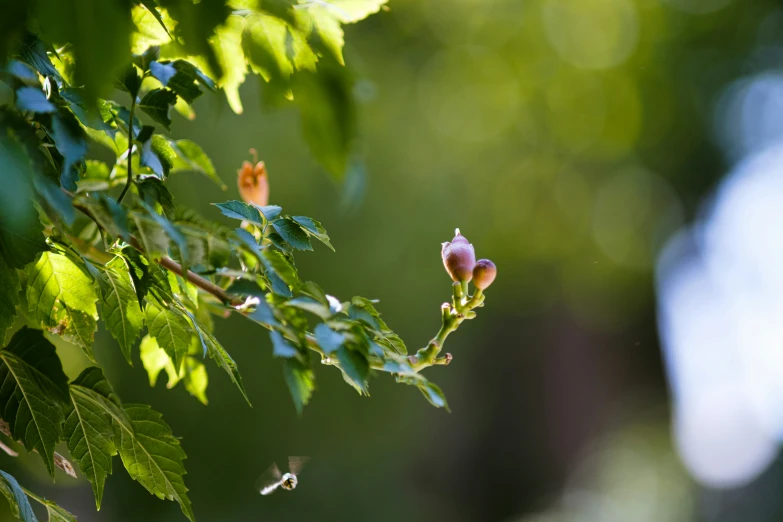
[(9, 297), (191, 157), (121, 311), (154, 359), (329, 340), (17, 500), (34, 100), (301, 382), (62, 298), (313, 228), (57, 513), (270, 212), (227, 45), (157, 104), (222, 359), (239, 210), (152, 455), (88, 429), (170, 329), (264, 43), (292, 233), (147, 277), (33, 392)]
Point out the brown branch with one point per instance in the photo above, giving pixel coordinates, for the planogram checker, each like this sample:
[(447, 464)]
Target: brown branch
[(59, 461)]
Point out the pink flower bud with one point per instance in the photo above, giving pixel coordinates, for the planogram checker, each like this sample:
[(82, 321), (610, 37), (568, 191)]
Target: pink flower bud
[(484, 273), (459, 258)]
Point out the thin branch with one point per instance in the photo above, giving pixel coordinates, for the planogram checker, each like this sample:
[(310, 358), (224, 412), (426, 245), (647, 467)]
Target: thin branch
[(59, 461), (130, 151)]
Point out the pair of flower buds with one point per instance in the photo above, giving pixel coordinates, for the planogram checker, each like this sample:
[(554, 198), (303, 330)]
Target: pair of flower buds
[(459, 258)]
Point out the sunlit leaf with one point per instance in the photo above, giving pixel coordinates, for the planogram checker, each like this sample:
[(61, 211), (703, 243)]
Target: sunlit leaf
[(300, 380), (170, 329), (62, 298), (121, 311)]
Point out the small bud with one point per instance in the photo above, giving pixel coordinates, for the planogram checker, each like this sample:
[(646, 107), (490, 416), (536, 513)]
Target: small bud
[(253, 183), (459, 258), (484, 273)]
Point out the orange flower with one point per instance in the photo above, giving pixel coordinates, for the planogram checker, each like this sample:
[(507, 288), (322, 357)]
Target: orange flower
[(253, 182)]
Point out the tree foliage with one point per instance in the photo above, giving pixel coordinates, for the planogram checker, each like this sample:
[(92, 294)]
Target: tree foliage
[(84, 243)]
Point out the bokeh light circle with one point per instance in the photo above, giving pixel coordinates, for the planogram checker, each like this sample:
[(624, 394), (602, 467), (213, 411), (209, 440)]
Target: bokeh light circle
[(592, 34)]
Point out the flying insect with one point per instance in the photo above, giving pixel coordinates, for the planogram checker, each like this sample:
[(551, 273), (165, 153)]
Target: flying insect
[(273, 478)]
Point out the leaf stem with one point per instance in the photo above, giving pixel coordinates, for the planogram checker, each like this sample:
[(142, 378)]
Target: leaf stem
[(130, 151)]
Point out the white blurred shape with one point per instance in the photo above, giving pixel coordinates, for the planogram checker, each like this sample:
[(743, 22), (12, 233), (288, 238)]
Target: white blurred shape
[(720, 289), (748, 116), (720, 439)]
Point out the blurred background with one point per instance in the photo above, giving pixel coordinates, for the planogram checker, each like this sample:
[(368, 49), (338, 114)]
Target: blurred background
[(621, 161)]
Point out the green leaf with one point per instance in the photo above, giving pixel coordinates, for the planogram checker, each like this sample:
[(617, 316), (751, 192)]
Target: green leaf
[(157, 104), (34, 100), (155, 194), (301, 382), (71, 141), (310, 305), (152, 455), (313, 228), (21, 234), (264, 43), (328, 115), (130, 81), (222, 359), (122, 314), (17, 500), (171, 330), (55, 198), (153, 238), (281, 347), (157, 154), (195, 379), (33, 392), (329, 340), (109, 214), (56, 513), (9, 297), (191, 157), (227, 46), (88, 429), (33, 51), (270, 212), (433, 394), (154, 359), (276, 263), (62, 298), (239, 210), (355, 367), (351, 11), (292, 233), (181, 77), (146, 276)]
